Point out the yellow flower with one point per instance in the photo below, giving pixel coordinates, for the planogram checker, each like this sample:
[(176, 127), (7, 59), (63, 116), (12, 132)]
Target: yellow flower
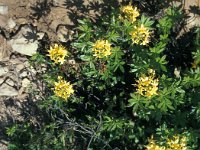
[(58, 53), (153, 146), (62, 88), (147, 85), (177, 143), (140, 35), (101, 48), (130, 13)]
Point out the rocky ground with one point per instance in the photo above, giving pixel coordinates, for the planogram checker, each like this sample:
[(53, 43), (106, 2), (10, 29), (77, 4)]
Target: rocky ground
[(24, 25)]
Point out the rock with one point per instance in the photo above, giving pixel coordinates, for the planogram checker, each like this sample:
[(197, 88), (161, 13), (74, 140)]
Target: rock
[(19, 67), (3, 143), (3, 70), (21, 21), (59, 3), (3, 9), (192, 10), (23, 47), (18, 104), (15, 61), (58, 17), (40, 35), (6, 90), (25, 82), (62, 33), (11, 23), (23, 59), (32, 71), (25, 42), (23, 74), (1, 80), (22, 97), (5, 49), (3, 21), (10, 82), (27, 64)]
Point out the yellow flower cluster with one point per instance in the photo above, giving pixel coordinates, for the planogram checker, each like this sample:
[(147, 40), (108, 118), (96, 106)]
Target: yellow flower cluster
[(101, 48), (130, 13), (153, 146), (58, 53), (140, 35), (147, 85), (176, 143), (62, 88)]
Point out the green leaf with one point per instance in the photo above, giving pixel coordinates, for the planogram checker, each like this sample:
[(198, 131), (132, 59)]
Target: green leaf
[(131, 102), (163, 68), (146, 21), (12, 147), (134, 70), (121, 68), (85, 58), (161, 60), (80, 21), (92, 65)]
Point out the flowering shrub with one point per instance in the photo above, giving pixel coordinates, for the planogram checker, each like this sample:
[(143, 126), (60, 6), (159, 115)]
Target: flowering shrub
[(121, 88)]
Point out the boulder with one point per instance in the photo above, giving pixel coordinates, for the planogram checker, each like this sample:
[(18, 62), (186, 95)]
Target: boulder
[(25, 41), (6, 90)]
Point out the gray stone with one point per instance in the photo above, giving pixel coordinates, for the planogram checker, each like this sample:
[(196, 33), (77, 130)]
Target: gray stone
[(5, 49), (10, 82), (3, 70), (3, 21), (15, 60), (3, 9), (1, 80), (11, 23), (40, 35), (25, 82), (19, 67), (63, 34), (18, 104), (23, 47), (27, 64), (25, 42), (32, 70), (23, 74), (6, 90)]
